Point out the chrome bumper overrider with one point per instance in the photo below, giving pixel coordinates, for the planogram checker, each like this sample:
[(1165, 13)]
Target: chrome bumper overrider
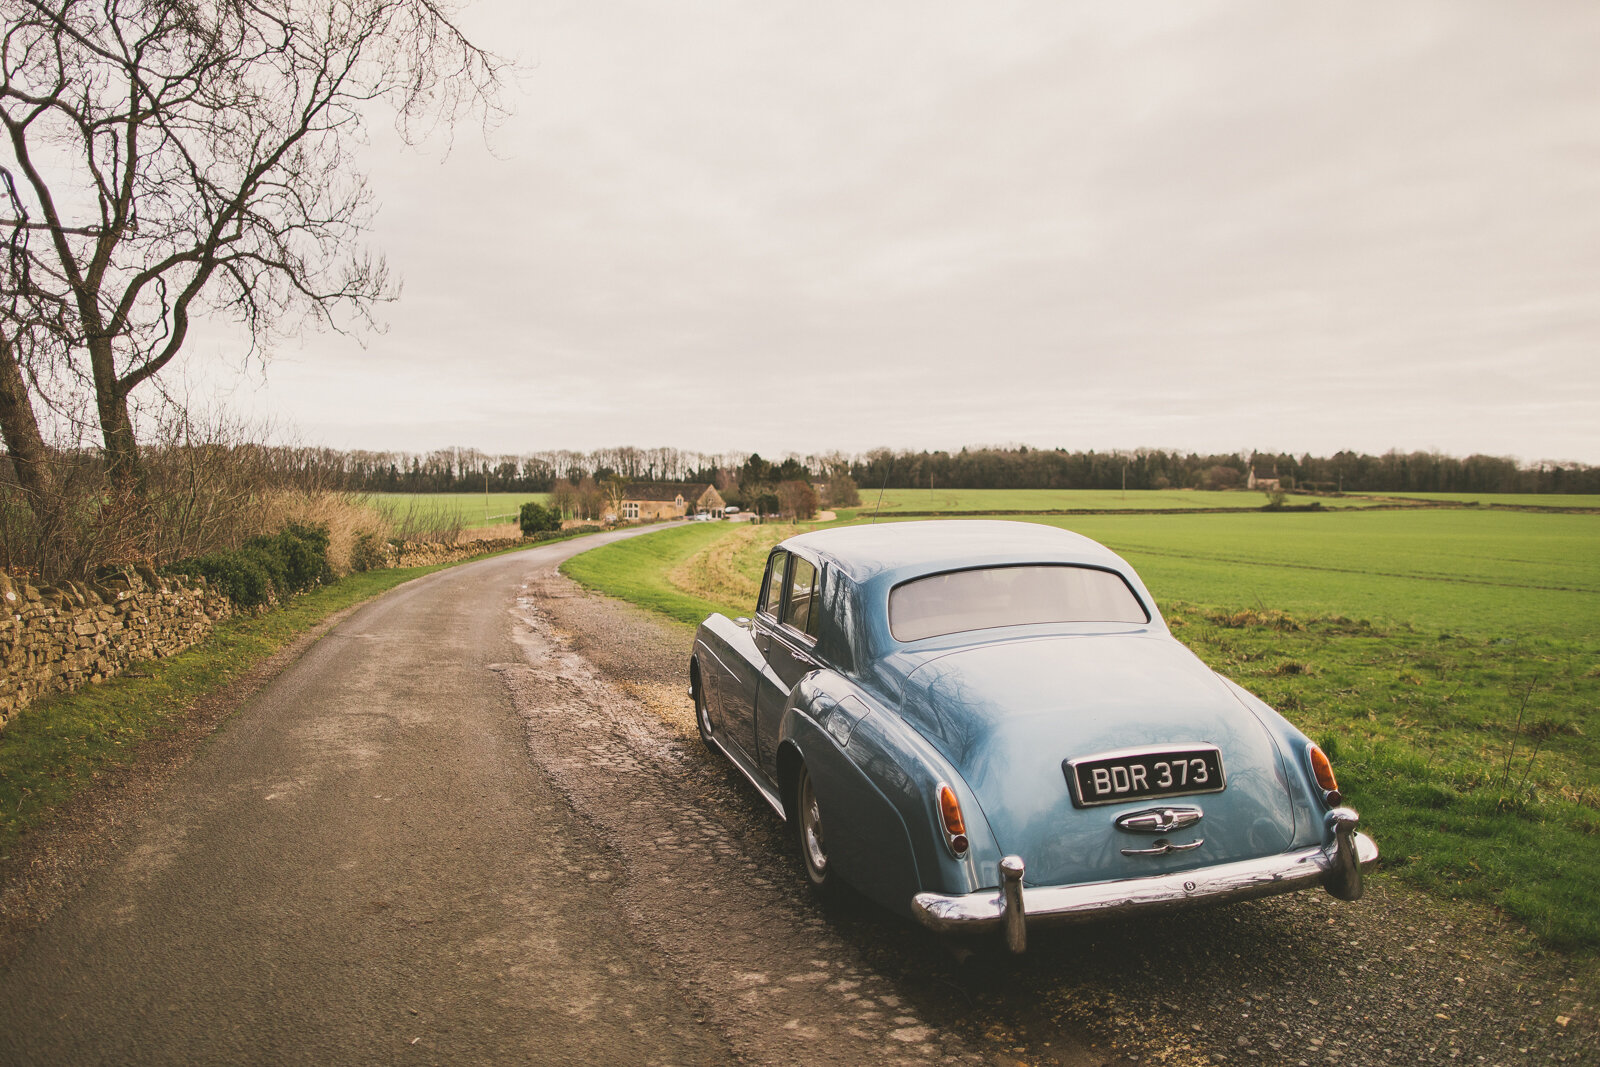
[(1337, 867)]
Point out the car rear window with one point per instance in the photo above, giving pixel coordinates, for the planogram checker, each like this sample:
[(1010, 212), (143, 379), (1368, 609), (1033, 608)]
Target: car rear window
[(801, 611), (986, 597)]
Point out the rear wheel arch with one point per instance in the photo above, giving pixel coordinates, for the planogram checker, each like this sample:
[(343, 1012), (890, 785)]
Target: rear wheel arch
[(702, 706), (789, 761)]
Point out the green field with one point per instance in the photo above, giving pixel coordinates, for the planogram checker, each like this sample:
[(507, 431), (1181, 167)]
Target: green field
[(1446, 658), (1520, 500), (469, 509), (993, 501), (1495, 573)]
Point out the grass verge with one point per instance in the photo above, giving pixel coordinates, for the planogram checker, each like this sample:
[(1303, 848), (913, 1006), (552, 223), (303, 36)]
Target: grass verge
[(62, 744), (636, 570), (1472, 759)]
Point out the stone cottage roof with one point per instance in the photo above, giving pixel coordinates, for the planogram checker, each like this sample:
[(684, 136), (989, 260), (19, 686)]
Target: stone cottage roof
[(665, 491)]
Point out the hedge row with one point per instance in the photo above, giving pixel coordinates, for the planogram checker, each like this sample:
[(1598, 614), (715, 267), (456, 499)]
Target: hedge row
[(535, 518), (271, 567)]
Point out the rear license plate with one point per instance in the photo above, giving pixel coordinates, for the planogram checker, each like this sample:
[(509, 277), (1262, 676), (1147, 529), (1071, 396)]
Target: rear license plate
[(1141, 773)]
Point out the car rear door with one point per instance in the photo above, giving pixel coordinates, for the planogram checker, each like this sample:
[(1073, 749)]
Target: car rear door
[(788, 640)]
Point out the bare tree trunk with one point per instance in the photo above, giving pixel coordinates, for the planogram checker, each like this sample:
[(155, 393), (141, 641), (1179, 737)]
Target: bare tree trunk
[(19, 428), (21, 433), (122, 449)]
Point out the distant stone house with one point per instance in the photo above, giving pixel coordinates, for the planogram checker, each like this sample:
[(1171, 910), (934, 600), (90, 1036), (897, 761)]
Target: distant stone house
[(1262, 478), (668, 500)]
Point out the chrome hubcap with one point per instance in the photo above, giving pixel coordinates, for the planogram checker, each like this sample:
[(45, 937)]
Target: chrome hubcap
[(811, 826)]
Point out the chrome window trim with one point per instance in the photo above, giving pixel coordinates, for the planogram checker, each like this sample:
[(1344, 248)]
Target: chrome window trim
[(776, 614)]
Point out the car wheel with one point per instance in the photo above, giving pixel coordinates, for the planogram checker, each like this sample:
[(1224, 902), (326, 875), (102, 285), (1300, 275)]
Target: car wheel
[(702, 717), (808, 829)]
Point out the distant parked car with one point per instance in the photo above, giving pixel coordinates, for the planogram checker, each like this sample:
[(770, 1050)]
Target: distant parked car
[(988, 725)]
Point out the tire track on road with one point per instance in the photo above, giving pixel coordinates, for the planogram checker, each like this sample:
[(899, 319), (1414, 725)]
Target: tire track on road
[(767, 970)]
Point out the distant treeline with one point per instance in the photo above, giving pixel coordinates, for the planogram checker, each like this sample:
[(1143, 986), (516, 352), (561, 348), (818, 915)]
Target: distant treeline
[(461, 470), (1392, 472), (1020, 467)]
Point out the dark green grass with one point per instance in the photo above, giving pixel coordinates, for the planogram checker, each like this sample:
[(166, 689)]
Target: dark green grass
[(63, 743)]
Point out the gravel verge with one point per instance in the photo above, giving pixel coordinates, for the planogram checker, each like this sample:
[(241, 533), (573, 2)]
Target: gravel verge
[(1399, 977)]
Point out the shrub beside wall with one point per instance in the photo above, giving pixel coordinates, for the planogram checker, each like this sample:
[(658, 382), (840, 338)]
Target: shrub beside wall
[(266, 569)]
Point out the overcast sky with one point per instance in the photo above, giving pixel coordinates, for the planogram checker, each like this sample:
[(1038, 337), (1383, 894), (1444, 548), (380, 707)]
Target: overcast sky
[(813, 226)]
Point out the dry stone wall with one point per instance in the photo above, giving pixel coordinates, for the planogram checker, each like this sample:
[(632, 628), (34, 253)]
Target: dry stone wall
[(429, 553), (55, 638)]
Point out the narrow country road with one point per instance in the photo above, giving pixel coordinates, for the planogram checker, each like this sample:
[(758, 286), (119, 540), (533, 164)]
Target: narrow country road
[(361, 867), (473, 824)]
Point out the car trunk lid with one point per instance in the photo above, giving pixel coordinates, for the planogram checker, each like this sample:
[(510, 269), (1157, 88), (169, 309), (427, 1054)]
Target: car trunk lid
[(1008, 716)]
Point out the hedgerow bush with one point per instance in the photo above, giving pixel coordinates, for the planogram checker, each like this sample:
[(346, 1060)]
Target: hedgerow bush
[(266, 568), (536, 518), (239, 575), (367, 554)]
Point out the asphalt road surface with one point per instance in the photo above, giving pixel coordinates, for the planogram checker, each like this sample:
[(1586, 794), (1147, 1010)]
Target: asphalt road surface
[(361, 867), (471, 825)]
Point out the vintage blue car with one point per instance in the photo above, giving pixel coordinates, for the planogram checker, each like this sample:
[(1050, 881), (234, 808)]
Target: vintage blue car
[(988, 724)]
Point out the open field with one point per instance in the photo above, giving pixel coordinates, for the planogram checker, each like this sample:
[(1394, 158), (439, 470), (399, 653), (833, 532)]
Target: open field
[(992, 501), (471, 509), (1520, 500), (1495, 573), (1446, 658)]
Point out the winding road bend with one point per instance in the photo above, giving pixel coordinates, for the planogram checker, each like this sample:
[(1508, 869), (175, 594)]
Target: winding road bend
[(362, 866), (465, 827)]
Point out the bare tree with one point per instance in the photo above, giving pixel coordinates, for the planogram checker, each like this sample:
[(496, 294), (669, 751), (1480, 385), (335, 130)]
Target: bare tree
[(796, 499), (615, 490), (192, 157)]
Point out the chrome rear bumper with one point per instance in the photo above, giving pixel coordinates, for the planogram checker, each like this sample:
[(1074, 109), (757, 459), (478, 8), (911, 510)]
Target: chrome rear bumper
[(1337, 867)]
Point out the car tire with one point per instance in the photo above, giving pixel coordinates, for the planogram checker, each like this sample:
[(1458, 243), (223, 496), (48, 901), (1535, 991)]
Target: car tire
[(702, 717), (809, 835)]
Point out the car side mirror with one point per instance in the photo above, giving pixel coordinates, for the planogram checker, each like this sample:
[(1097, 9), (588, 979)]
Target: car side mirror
[(744, 623)]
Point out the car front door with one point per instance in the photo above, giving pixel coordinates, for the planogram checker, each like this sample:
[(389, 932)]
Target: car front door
[(787, 639)]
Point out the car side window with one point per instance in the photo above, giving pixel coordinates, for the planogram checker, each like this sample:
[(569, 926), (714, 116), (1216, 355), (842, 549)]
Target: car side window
[(801, 610), (772, 585)]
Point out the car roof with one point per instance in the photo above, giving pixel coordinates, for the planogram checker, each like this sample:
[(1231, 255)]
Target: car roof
[(901, 550)]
